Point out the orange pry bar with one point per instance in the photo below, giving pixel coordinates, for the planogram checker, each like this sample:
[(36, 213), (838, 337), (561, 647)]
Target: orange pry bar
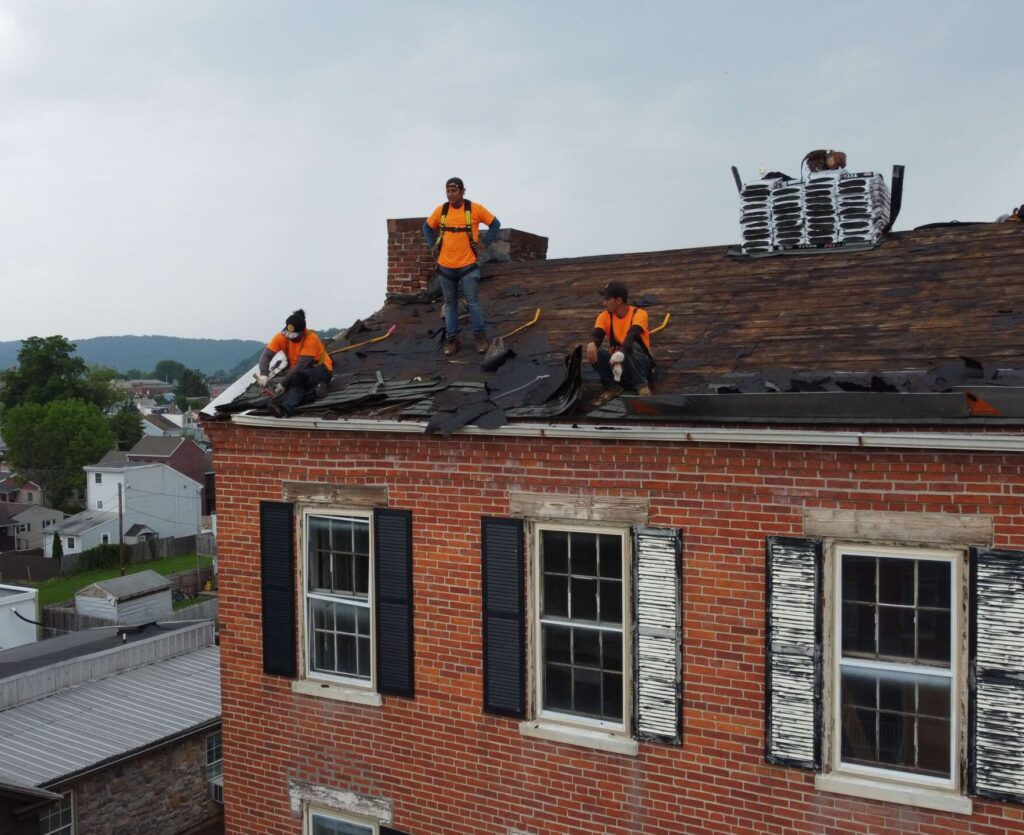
[(391, 330)]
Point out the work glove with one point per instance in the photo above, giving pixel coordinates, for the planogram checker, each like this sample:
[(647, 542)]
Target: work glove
[(278, 389), (261, 380), (616, 360)]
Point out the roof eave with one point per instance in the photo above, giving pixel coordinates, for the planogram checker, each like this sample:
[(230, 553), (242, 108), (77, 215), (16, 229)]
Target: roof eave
[(971, 441)]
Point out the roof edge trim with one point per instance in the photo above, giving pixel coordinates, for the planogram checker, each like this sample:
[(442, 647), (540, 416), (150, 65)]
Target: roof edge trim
[(969, 441)]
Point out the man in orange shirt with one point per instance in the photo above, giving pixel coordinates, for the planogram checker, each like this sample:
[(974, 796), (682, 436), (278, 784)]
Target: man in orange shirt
[(453, 235), (629, 361), (309, 366)]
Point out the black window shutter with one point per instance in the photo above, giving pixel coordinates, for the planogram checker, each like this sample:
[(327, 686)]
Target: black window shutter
[(793, 652), (277, 581), (657, 634), (504, 617), (393, 586), (996, 755)]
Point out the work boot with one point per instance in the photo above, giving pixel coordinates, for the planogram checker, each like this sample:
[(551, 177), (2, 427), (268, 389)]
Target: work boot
[(321, 390), (643, 390), (481, 342), (275, 410), (451, 346), (608, 394)]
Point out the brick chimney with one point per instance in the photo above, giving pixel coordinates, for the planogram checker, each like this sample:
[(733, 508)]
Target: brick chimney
[(410, 267)]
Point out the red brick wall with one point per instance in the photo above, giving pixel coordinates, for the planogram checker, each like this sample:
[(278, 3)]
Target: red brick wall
[(410, 267), (450, 768)]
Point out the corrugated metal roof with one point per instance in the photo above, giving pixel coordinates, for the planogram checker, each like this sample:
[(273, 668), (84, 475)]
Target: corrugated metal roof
[(131, 585), (78, 728)]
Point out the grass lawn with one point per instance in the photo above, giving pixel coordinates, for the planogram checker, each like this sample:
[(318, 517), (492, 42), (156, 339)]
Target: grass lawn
[(60, 589)]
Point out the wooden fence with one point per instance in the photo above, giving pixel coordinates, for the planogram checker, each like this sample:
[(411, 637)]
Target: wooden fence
[(141, 552), (27, 567)]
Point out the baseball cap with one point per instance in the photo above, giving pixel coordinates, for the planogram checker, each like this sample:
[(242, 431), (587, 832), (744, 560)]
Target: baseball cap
[(615, 290)]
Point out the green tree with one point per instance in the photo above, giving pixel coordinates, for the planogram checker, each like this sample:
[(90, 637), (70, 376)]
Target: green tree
[(168, 370), (99, 387), (50, 443), (58, 546), (191, 383), (46, 371), (127, 426), (132, 374)]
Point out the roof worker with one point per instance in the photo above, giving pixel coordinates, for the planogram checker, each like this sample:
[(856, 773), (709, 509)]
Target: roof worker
[(824, 160), (627, 363), (453, 235), (309, 366)]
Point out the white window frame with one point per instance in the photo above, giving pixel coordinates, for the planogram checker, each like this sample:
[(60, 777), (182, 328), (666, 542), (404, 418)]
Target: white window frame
[(98, 478), (559, 718), (956, 673), (71, 543), (67, 798), (348, 682), (214, 767), (373, 826)]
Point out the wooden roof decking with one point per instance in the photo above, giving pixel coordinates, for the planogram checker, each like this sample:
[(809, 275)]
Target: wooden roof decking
[(918, 301)]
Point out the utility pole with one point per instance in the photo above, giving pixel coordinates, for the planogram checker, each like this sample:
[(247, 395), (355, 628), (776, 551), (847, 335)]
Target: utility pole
[(120, 529)]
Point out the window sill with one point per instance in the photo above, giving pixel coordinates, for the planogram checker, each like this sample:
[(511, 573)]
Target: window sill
[(583, 737), (336, 692), (921, 796)]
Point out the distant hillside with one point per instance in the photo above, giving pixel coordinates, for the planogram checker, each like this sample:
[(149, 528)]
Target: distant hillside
[(144, 352)]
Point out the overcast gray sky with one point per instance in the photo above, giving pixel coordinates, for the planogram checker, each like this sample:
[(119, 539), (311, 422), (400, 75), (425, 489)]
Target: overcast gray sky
[(202, 168)]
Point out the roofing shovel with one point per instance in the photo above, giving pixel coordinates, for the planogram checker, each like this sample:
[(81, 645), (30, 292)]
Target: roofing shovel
[(498, 351)]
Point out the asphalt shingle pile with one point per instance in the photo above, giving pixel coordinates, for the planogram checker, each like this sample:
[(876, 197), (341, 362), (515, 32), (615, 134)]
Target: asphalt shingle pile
[(827, 209), (863, 207)]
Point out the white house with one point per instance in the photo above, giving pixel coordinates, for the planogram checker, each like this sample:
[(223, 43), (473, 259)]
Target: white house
[(155, 499), (23, 526)]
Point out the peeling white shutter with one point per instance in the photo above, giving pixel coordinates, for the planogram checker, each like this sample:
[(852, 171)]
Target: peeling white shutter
[(997, 675), (657, 649), (793, 657)]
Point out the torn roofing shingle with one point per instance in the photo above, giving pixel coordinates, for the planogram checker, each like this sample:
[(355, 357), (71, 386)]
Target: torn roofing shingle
[(900, 318)]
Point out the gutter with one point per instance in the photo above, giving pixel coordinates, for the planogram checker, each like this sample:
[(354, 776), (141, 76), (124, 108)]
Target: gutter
[(206, 725), (968, 441)]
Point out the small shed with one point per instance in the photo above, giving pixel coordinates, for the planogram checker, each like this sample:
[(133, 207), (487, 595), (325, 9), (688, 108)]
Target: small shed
[(136, 599)]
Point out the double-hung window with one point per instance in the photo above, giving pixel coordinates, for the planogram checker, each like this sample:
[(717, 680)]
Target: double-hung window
[(582, 627), (897, 673), (329, 823), (337, 597), (580, 619), (59, 819), (338, 594), (896, 685)]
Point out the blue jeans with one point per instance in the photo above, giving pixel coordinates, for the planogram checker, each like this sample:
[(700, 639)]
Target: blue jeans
[(636, 369), (301, 388), (469, 278)]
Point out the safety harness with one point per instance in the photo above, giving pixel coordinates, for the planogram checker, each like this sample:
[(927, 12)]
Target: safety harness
[(468, 228)]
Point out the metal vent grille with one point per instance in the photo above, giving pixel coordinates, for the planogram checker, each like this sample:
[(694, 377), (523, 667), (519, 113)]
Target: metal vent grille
[(657, 590), (793, 702), (998, 675)]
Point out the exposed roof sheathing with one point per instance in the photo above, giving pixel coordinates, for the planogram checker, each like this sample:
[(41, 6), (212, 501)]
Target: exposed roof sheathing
[(928, 312)]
